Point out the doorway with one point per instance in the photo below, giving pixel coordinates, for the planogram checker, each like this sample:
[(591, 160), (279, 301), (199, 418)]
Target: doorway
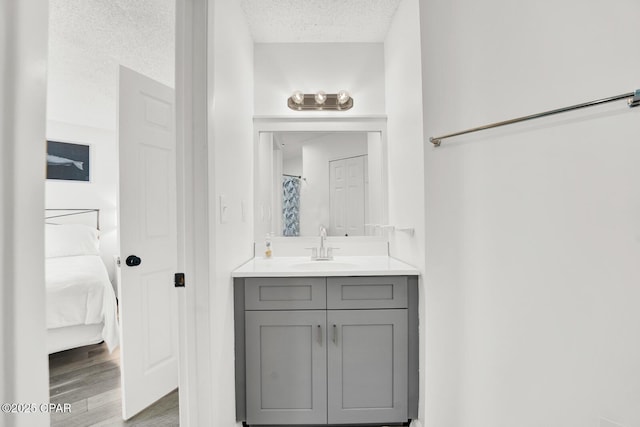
[(82, 93)]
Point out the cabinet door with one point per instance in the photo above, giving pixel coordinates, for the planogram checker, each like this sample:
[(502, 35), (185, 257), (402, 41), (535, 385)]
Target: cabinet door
[(286, 360), (367, 366)]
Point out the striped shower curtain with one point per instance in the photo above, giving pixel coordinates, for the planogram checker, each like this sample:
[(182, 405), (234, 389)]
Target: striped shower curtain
[(290, 206)]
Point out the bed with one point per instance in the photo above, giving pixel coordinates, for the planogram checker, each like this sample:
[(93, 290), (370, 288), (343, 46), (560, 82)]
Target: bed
[(80, 302)]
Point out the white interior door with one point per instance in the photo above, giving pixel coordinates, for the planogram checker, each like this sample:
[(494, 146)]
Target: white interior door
[(147, 230), (347, 197)]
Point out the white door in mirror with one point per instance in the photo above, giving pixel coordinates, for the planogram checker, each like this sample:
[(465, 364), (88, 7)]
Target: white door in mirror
[(347, 196)]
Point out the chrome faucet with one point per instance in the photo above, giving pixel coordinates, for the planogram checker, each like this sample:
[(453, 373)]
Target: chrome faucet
[(323, 236), (323, 253)]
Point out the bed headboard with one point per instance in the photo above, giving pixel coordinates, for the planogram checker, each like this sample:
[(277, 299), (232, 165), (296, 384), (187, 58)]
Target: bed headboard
[(90, 217)]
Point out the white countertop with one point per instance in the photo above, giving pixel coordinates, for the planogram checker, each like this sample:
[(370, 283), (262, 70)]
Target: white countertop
[(339, 266)]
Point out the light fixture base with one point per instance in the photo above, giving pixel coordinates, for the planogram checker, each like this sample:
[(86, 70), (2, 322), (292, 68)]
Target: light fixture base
[(331, 104)]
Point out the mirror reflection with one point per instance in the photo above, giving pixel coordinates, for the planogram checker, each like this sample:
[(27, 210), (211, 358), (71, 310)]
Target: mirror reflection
[(320, 179)]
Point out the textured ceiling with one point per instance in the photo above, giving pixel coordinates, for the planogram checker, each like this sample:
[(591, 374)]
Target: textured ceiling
[(88, 39), (285, 21)]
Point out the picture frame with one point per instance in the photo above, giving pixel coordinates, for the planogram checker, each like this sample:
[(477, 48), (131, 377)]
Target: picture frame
[(68, 161)]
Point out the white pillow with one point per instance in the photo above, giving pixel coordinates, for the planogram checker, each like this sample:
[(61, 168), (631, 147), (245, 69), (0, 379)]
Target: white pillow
[(70, 240)]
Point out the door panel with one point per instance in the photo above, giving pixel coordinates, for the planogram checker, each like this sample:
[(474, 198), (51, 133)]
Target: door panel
[(156, 161), (157, 348), (367, 366), (355, 196), (286, 367), (359, 343), (147, 229)]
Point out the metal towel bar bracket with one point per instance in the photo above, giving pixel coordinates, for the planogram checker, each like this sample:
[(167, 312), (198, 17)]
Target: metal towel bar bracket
[(633, 100)]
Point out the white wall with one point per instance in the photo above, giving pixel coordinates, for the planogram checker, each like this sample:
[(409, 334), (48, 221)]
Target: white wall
[(314, 191), (231, 161), (533, 230), (405, 136), (281, 68), (292, 165), (100, 193), (23, 356)]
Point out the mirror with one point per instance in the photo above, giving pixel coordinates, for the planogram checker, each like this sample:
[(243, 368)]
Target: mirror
[(306, 180)]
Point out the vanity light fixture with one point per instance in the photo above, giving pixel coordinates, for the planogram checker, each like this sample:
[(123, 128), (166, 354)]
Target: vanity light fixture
[(320, 97), (297, 97), (320, 101), (343, 97)]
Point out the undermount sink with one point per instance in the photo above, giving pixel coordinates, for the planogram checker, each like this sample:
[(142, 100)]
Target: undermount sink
[(322, 265)]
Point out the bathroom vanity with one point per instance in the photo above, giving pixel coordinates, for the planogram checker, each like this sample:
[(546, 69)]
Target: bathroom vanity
[(326, 342)]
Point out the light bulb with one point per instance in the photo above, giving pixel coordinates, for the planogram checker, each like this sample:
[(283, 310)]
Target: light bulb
[(320, 97), (297, 97), (343, 97)]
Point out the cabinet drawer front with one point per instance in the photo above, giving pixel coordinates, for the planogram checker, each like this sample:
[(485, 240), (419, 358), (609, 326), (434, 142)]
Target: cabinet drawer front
[(292, 293), (366, 292)]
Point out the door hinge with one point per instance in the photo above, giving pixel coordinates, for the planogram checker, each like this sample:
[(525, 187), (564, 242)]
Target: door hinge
[(179, 280)]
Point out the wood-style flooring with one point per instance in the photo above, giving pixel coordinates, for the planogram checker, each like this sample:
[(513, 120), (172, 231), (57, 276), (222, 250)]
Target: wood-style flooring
[(89, 379)]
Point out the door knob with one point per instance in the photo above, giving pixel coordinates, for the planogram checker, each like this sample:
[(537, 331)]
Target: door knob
[(133, 260)]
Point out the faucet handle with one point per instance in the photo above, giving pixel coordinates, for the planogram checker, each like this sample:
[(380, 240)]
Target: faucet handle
[(314, 253), (330, 250)]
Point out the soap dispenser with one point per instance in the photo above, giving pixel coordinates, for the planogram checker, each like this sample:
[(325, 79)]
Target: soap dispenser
[(267, 244)]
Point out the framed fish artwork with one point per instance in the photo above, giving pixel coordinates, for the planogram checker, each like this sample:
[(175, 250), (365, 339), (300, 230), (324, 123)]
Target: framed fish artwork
[(67, 161)]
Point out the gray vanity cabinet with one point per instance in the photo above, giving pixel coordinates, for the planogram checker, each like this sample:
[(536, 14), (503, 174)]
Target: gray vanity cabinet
[(325, 351)]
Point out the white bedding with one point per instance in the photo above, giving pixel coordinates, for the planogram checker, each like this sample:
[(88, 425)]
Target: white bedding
[(79, 293)]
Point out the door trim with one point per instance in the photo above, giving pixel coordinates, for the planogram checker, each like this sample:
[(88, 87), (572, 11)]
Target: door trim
[(192, 93), (23, 360)]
